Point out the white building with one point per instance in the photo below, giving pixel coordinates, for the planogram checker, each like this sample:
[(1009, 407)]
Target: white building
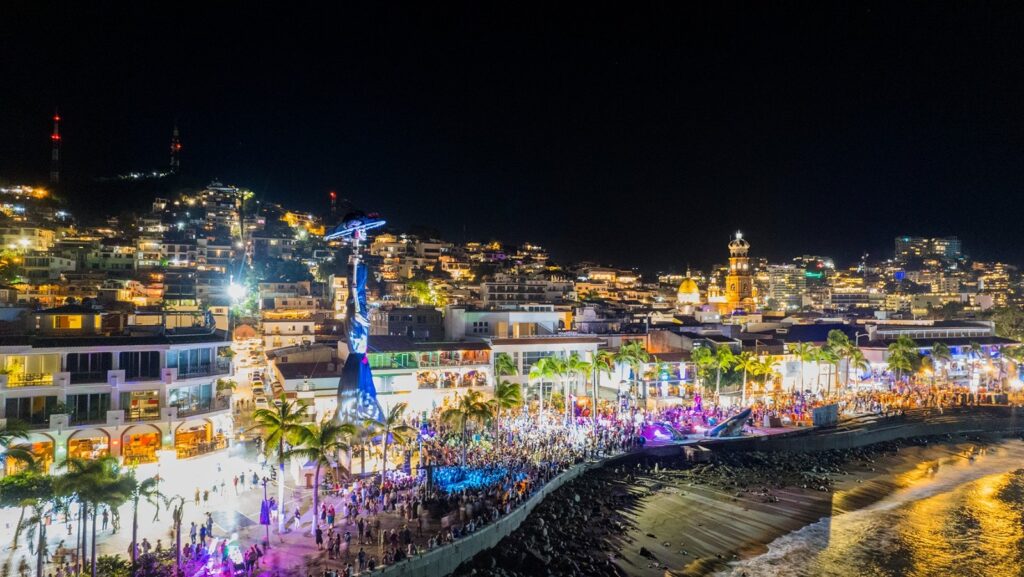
[(132, 397), (530, 320)]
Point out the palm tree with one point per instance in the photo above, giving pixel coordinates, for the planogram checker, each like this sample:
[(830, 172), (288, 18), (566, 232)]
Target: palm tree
[(362, 444), (29, 488), (858, 362), (724, 360), (839, 344), (766, 370), (507, 395), (803, 352), (577, 367), (149, 490), (903, 355), (72, 484), (829, 357), (601, 362), (941, 353), (177, 506), (96, 482), (470, 408), (320, 443), (634, 354), (392, 427), (504, 365), (9, 449), (703, 361), (545, 368), (560, 370), (279, 424), (749, 363)]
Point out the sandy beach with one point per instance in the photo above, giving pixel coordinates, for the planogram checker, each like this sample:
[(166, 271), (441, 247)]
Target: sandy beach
[(692, 521), (665, 517)]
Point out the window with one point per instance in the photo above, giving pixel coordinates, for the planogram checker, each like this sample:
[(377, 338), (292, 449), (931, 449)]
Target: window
[(140, 365), (30, 410), (191, 400), (140, 405), (91, 408), (89, 367), (67, 321), (529, 358), (190, 361)]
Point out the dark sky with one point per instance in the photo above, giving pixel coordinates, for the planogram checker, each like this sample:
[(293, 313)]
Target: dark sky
[(643, 136)]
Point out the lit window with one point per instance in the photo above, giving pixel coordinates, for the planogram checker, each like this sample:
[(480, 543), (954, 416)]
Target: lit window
[(67, 322)]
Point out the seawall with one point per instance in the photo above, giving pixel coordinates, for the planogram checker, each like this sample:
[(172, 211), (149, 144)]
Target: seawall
[(859, 432), (869, 430), (444, 560)]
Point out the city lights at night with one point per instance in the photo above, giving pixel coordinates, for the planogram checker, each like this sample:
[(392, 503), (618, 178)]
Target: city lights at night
[(726, 289)]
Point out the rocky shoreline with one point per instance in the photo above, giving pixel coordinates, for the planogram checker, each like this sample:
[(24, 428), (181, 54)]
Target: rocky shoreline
[(666, 516)]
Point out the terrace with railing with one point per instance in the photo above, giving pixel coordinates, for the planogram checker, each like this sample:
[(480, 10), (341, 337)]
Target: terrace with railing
[(429, 360), (29, 379), (221, 366), (200, 408)]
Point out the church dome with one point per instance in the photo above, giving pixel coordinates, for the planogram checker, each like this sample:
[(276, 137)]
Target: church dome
[(688, 292)]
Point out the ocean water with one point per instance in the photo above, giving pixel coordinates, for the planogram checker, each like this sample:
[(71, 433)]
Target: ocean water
[(960, 516)]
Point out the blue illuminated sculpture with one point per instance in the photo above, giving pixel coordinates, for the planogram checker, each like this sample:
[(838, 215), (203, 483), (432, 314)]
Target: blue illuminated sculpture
[(357, 397)]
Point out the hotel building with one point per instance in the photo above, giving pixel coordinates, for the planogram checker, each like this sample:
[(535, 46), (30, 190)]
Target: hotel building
[(88, 384)]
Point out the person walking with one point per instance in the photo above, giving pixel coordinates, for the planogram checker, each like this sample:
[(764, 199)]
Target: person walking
[(192, 533), (319, 538)]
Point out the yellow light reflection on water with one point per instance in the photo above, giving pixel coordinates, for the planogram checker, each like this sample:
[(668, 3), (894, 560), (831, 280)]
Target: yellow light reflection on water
[(971, 525)]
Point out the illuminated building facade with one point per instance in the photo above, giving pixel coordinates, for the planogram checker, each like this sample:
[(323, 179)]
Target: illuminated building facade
[(739, 283)]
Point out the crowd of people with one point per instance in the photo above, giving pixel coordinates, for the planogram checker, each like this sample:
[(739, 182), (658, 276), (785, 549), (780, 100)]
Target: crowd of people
[(456, 492), (458, 487)]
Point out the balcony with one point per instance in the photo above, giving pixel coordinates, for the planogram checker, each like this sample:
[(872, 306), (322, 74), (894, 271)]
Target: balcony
[(215, 404), (15, 380), (220, 367), (75, 420), (89, 377), (139, 416)]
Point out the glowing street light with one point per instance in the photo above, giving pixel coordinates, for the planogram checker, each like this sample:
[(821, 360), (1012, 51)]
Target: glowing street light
[(236, 291)]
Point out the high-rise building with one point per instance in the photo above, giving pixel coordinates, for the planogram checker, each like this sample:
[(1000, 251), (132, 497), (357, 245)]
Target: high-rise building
[(739, 283), (786, 287), (947, 247)]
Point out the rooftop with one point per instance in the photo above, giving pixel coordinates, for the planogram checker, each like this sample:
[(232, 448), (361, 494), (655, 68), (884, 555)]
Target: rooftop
[(113, 340), (949, 341)]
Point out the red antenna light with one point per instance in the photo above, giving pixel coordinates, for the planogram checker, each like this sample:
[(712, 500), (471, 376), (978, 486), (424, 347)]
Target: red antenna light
[(55, 150), (334, 195)]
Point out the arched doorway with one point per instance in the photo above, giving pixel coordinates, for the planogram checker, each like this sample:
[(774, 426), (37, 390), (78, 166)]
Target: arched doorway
[(42, 448), (193, 438), (140, 443), (89, 444)]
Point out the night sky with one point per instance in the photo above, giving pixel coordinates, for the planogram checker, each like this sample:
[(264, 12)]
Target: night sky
[(641, 137)]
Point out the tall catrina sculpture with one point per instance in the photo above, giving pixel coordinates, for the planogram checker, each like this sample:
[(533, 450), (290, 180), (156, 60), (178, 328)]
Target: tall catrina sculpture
[(357, 397)]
